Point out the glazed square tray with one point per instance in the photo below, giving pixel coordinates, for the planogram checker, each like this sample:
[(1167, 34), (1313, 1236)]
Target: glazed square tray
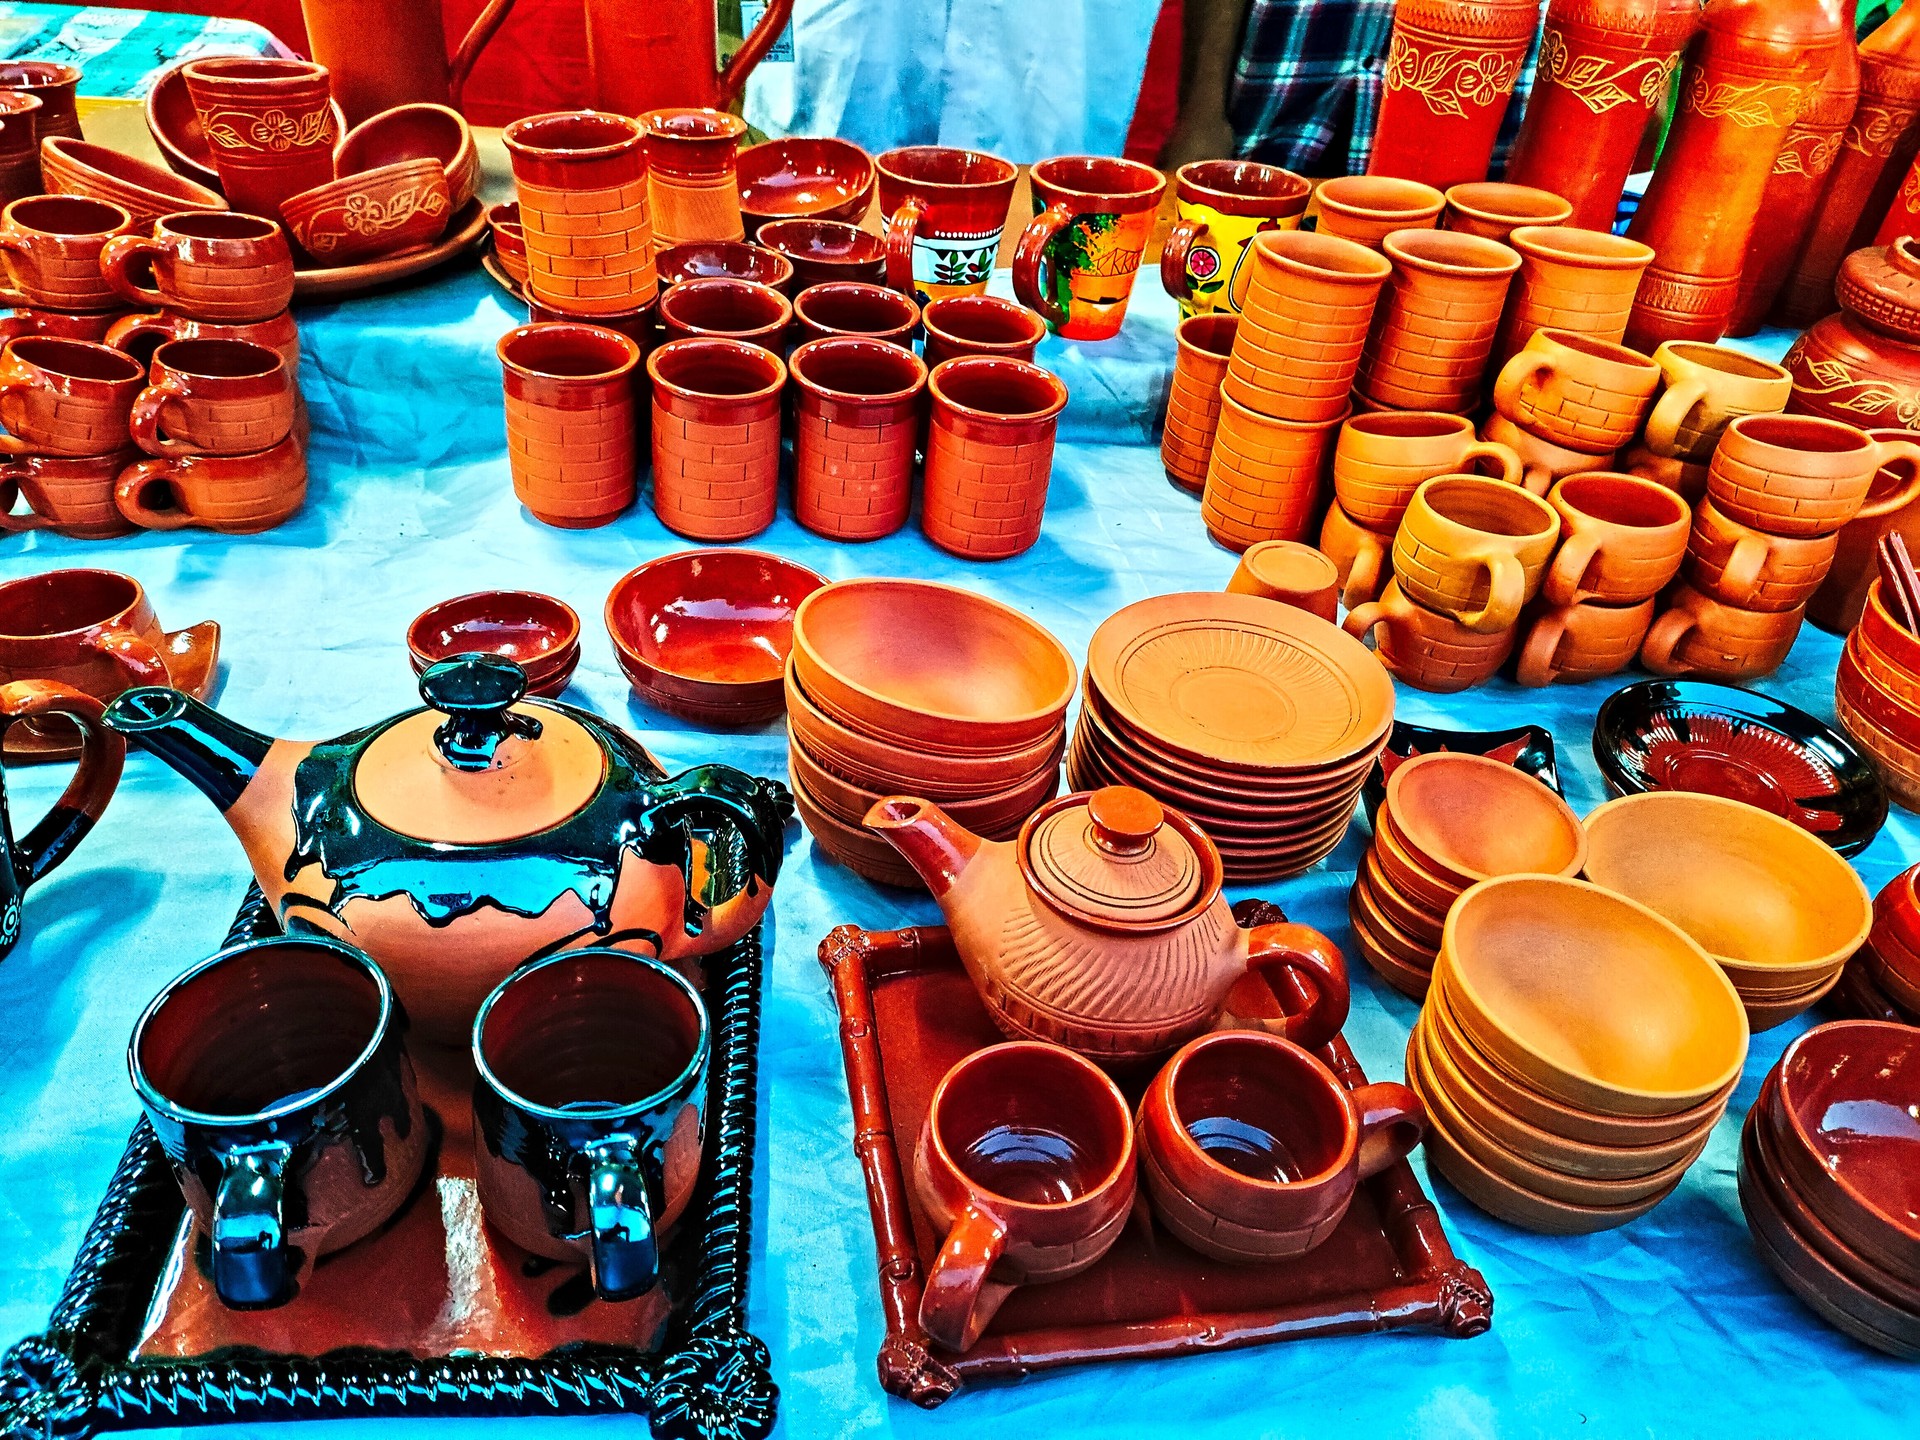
[(907, 1013), (434, 1315)]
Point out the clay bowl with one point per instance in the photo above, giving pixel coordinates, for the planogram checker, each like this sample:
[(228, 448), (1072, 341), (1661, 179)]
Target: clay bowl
[(1407, 872), (859, 850), (850, 802), (1590, 996), (1765, 1013), (79, 167), (509, 240), (1412, 981), (1469, 818), (1887, 636), (1766, 898), (711, 628), (1424, 924), (1363, 903), (411, 196), (931, 665), (537, 632), (804, 176), (824, 250), (725, 260), (418, 131)]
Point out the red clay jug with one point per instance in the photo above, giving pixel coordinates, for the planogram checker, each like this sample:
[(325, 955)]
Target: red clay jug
[(647, 54), (1750, 72), (1862, 366), (382, 53), (1451, 66), (1605, 69)]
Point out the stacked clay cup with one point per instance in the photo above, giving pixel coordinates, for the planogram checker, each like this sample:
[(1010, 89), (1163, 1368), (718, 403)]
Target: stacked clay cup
[(1704, 389), (1433, 331), (1569, 401), (1876, 694)]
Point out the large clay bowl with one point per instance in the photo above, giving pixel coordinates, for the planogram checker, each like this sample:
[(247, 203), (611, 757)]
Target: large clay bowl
[(931, 665), (1408, 872), (537, 632), (1590, 996), (418, 131), (1468, 818), (1756, 891), (989, 814), (79, 167), (1765, 1013), (1517, 1205), (815, 177), (854, 848)]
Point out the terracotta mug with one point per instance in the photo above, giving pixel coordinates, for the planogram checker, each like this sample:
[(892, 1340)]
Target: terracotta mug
[(1076, 259), (1220, 206), (1801, 475), (236, 494), (91, 630), (1622, 538), (213, 397), (1368, 208), (1707, 386), (1203, 343), (1842, 596), (1380, 459), (1292, 573), (1424, 648), (570, 421), (1576, 643), (1433, 331), (857, 419), (70, 494), (582, 182), (588, 1106), (65, 397), (35, 855), (1265, 477), (55, 84), (989, 455), (852, 307), (1309, 304), (1495, 209), (52, 245), (211, 264), (1698, 635), (1252, 1149), (944, 211), (691, 182), (1570, 279), (1541, 461), (61, 324), (731, 309), (1475, 549), (1025, 1166), (139, 334), (1577, 392), (19, 145), (716, 437), (270, 125), (1739, 565), (1362, 558), (959, 325)]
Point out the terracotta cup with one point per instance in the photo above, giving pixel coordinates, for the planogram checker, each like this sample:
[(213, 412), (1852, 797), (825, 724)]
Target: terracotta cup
[(1576, 643), (1842, 596), (1220, 206), (959, 325), (65, 397), (1426, 649), (1290, 572), (1266, 476), (1433, 331), (1698, 635), (1621, 539), (1706, 387), (270, 125), (1801, 475), (582, 180), (989, 455), (1495, 209), (1475, 549), (55, 84), (1577, 392), (1570, 279), (691, 184), (51, 245), (214, 397), (236, 494), (637, 325), (139, 334), (570, 420), (210, 264), (1193, 396), (1381, 459), (91, 630), (1362, 558), (1309, 304), (19, 145), (731, 309), (1025, 1167), (1076, 259), (945, 209), (1368, 208), (1541, 461), (1742, 566), (857, 418), (61, 324), (716, 437), (852, 307), (70, 494)]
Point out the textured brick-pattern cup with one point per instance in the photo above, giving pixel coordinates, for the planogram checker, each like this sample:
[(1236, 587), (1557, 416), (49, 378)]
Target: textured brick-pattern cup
[(1381, 459), (1739, 565), (1193, 400), (1427, 650), (1577, 392), (52, 245), (1570, 279), (1800, 475), (858, 403), (72, 494), (1303, 325), (1433, 331), (19, 145), (691, 179), (989, 455), (1622, 538), (237, 494), (570, 421), (582, 178), (1698, 635), (1475, 549), (65, 397), (1572, 644), (716, 436), (210, 264), (731, 309), (269, 123), (1265, 478), (1362, 558), (1367, 208), (214, 397)]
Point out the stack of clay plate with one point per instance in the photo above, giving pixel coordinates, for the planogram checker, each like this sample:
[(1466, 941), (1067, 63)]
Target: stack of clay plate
[(1447, 822), (901, 687), (1830, 1178), (1779, 910), (1574, 1053), (1258, 720)]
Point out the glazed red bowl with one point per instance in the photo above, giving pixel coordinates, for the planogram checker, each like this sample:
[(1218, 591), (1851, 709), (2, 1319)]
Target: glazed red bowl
[(537, 632), (827, 250), (79, 167), (509, 240), (724, 260), (811, 177), (418, 131), (332, 222)]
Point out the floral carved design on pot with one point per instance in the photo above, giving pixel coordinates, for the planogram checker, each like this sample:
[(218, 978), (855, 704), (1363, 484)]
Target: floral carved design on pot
[(1831, 387), (275, 130), (1748, 106), (1877, 129), (1811, 155), (369, 215), (1599, 84), (1449, 77)]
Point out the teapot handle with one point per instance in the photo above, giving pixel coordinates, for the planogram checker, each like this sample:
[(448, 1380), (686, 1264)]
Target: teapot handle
[(1303, 949), (760, 807)]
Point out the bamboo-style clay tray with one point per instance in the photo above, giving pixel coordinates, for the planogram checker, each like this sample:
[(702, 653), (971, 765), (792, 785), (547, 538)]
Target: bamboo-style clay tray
[(433, 1315), (907, 1013)]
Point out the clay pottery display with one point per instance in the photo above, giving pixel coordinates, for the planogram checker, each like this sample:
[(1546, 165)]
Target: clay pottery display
[(730, 309), (55, 84), (959, 325), (570, 421), (1303, 324), (69, 494), (235, 494), (582, 182), (857, 411), (1742, 566), (78, 167), (827, 250), (223, 267), (1204, 341), (1572, 644), (1685, 478), (1577, 392), (1838, 603), (1569, 279), (270, 125), (388, 210), (214, 397), (537, 632), (1265, 477), (1475, 549), (944, 211), (139, 333), (1435, 324), (38, 853), (804, 177), (418, 131), (1075, 261), (19, 146), (1292, 573), (1494, 209), (665, 52), (716, 434), (690, 175), (1220, 206), (174, 124), (51, 246), (1863, 365), (724, 260), (1426, 649), (989, 455), (852, 307), (1705, 388), (1466, 818), (1381, 459), (1362, 558), (1622, 538), (1368, 208), (1450, 68), (65, 397), (1801, 476), (1699, 635)]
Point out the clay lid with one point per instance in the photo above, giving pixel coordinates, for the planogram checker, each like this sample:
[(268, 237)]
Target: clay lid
[(1880, 285), (1111, 857)]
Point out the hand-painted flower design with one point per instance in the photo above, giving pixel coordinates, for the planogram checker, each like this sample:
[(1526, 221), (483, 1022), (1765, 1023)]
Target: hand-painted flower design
[(276, 131), (1203, 262)]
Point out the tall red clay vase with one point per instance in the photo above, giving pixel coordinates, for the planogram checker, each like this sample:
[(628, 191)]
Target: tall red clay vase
[(1604, 71), (1451, 67), (1750, 72)]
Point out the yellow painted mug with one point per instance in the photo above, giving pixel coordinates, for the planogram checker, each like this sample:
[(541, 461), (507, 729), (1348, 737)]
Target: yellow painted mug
[(1221, 206)]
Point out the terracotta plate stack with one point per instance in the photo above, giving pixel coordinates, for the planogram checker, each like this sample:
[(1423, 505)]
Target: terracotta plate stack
[(902, 687), (1574, 1054), (1258, 720), (1830, 1178)]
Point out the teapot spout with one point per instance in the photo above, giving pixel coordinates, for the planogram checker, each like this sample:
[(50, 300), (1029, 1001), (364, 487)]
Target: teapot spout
[(218, 755), (936, 846)]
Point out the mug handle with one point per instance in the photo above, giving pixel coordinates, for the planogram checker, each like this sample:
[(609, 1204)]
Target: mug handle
[(1657, 650), (1363, 576), (102, 754), (250, 1269), (902, 225), (1030, 263), (1894, 452), (10, 442), (1670, 413), (1173, 258), (1505, 456), (11, 524), (1740, 576), (13, 242), (1569, 566), (139, 662), (126, 497), (116, 260), (960, 1296), (623, 1256), (1392, 1122), (1300, 947), (1506, 593), (132, 327), (1543, 643), (144, 423), (1513, 380)]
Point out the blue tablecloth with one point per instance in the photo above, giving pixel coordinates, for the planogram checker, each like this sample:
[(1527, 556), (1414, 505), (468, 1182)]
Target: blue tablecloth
[(1670, 1326), (122, 51)]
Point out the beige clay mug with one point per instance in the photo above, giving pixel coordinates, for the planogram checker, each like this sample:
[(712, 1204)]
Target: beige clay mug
[(1698, 635), (1802, 475), (1475, 549), (1381, 458), (1707, 387), (1427, 650)]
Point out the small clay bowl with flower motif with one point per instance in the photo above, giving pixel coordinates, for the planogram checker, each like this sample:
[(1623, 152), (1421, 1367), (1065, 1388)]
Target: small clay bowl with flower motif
[(387, 210)]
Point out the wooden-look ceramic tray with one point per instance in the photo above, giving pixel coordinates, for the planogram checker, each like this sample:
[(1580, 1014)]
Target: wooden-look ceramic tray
[(907, 1013), (465, 230), (192, 658)]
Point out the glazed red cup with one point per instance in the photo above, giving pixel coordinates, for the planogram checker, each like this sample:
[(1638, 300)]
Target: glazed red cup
[(945, 209), (570, 421), (582, 181), (1252, 1149), (852, 307), (52, 246), (690, 167), (716, 437), (637, 325), (72, 494), (65, 397), (989, 455), (1220, 206), (234, 494), (1076, 259), (91, 630), (1025, 1166), (730, 309), (213, 397), (959, 325), (141, 333), (856, 424), (19, 145), (212, 264), (55, 84), (269, 123), (823, 250)]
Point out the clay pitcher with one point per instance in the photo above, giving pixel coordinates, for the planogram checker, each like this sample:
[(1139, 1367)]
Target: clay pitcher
[(382, 53), (1862, 366), (1451, 67), (649, 54)]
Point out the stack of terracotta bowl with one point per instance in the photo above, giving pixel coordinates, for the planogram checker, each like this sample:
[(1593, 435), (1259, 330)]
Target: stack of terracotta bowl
[(905, 687), (1260, 721), (1774, 905), (1876, 694), (1449, 821), (537, 632), (1827, 1179), (1574, 1054), (400, 178), (1883, 980)]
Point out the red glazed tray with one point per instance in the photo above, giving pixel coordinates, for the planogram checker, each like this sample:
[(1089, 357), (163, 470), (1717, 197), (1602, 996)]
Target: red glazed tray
[(907, 1013)]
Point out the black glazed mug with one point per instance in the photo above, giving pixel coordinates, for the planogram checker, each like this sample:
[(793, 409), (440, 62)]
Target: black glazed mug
[(278, 1082), (589, 1110)]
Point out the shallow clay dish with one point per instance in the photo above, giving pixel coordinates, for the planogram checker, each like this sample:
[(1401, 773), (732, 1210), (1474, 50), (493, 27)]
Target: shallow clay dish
[(79, 167), (1528, 748), (1115, 736), (1416, 920), (725, 260), (387, 210), (1504, 1200), (1469, 817), (1410, 980), (1407, 872), (465, 232), (537, 632), (1406, 947), (812, 176), (854, 848), (414, 132)]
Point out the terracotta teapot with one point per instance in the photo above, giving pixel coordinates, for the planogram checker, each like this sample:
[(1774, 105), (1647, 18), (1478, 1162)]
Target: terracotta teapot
[(453, 842), (1102, 927)]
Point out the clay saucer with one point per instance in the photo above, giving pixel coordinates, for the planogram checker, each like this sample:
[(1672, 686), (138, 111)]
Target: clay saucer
[(725, 260), (537, 632), (1516, 1205), (1525, 747), (824, 250), (804, 176), (1263, 842), (79, 167), (850, 802), (1410, 980), (1187, 793), (466, 231), (1469, 818), (192, 658)]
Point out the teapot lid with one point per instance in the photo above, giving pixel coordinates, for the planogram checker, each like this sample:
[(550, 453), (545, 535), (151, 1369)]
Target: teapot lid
[(1118, 859)]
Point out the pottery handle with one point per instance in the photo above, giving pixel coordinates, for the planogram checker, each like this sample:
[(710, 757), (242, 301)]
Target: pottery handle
[(13, 242), (1363, 576), (129, 328), (1362, 618), (490, 19), (1543, 643), (1569, 566), (1894, 452), (128, 492), (1670, 413), (1514, 376), (1505, 456), (139, 662), (10, 477), (249, 1226), (1173, 258), (13, 384), (901, 228), (960, 1295), (1393, 1121), (1506, 593), (1740, 576), (116, 261), (148, 407), (102, 753), (623, 1259), (1657, 650), (753, 50), (1031, 267), (1318, 959)]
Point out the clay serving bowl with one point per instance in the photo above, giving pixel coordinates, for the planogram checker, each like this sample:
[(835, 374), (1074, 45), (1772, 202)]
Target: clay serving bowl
[(859, 850), (1468, 818), (1886, 636), (1408, 872), (1424, 924), (827, 250), (537, 632), (387, 210), (849, 801), (418, 131), (1364, 907), (724, 260), (804, 176), (79, 167), (1589, 996), (1413, 981)]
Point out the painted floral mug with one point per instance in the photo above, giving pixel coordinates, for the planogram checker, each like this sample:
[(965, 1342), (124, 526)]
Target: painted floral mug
[(1078, 255)]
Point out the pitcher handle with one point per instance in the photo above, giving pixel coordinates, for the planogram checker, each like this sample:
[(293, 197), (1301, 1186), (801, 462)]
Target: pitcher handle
[(102, 754), (1288, 946), (491, 17), (1393, 1121), (1030, 264), (11, 474), (960, 1295), (753, 49)]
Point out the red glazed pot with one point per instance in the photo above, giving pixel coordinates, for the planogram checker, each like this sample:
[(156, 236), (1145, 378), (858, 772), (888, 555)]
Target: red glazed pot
[(214, 397), (945, 210), (65, 397), (1193, 397), (55, 84), (1076, 259), (271, 126), (537, 632), (958, 325), (690, 175), (1451, 67), (385, 211), (52, 246), (716, 436), (1863, 365), (822, 250), (856, 423), (1221, 206), (216, 266), (648, 53), (138, 334), (235, 494), (570, 421), (853, 308), (19, 146), (733, 309), (582, 178), (989, 455)]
